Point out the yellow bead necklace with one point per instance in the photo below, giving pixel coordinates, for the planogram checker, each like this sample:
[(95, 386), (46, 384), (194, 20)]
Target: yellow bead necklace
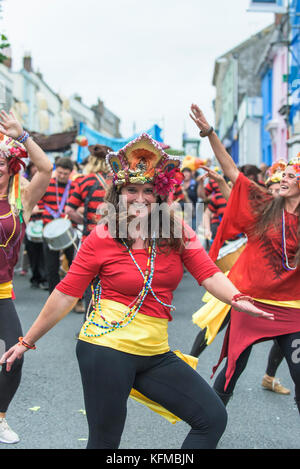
[(14, 228)]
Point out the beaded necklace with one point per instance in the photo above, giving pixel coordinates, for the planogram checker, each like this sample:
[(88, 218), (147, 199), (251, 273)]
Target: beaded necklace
[(285, 261), (132, 311), (134, 307), (7, 215)]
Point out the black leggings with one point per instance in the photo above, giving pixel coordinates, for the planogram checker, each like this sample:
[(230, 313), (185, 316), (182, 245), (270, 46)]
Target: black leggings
[(109, 375), (290, 347), (10, 331)]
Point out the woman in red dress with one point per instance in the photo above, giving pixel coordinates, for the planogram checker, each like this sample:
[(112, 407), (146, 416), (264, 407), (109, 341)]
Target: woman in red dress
[(268, 269)]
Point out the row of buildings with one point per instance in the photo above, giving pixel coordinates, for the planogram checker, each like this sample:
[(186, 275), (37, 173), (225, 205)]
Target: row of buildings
[(257, 104), (52, 119)]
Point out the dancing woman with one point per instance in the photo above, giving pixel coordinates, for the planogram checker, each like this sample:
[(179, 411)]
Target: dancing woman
[(267, 270), (17, 201), (124, 342)]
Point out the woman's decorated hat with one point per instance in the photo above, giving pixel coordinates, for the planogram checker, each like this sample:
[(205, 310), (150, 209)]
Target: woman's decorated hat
[(275, 172), (144, 161), (13, 152)]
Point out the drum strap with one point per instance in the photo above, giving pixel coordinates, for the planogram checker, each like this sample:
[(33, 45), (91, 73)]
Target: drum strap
[(61, 204), (102, 181)]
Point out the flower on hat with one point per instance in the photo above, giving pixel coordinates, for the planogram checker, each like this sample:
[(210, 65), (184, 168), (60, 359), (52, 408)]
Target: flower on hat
[(13, 154), (164, 182)]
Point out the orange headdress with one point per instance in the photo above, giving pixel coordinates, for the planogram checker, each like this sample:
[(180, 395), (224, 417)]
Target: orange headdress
[(143, 161)]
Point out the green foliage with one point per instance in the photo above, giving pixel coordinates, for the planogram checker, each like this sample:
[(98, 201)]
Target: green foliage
[(174, 152), (3, 45)]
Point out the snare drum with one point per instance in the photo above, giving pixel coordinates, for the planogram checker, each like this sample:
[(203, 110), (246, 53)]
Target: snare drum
[(59, 234), (229, 253), (34, 231)]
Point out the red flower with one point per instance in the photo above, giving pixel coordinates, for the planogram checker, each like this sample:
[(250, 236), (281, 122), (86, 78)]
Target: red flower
[(165, 181), (14, 161), (15, 164)]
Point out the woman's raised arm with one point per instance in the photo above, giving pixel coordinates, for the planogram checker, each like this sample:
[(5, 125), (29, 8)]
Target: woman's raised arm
[(11, 127), (226, 162)]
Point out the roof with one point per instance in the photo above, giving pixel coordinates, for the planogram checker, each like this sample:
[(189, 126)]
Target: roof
[(55, 142), (239, 47)]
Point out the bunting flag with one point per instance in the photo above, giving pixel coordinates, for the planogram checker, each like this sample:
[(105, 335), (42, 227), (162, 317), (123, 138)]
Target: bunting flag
[(116, 144)]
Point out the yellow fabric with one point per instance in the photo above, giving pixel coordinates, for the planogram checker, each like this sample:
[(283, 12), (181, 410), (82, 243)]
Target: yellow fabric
[(137, 396), (284, 304), (145, 335), (6, 290), (211, 316)]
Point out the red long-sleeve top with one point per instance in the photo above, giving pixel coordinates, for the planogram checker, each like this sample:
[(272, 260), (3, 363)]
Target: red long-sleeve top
[(102, 255)]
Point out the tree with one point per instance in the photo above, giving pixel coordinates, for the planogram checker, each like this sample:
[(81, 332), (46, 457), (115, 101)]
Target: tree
[(3, 45)]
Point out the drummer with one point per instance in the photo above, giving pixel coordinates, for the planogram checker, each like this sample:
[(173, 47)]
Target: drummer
[(214, 211), (89, 194), (55, 198)]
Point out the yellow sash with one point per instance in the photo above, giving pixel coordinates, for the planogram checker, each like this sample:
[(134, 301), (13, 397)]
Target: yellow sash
[(137, 396), (6, 290)]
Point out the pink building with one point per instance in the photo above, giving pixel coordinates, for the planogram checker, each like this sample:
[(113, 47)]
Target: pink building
[(277, 126)]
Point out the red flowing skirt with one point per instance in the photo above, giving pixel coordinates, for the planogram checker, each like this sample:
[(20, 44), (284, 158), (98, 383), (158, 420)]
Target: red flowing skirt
[(244, 330)]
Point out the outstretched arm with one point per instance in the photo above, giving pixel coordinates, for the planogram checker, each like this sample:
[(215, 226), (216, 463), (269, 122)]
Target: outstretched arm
[(222, 288), (56, 308), (226, 162)]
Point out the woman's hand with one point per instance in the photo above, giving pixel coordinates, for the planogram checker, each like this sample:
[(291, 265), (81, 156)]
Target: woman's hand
[(249, 308), (199, 118), (9, 125), (212, 174), (15, 352)]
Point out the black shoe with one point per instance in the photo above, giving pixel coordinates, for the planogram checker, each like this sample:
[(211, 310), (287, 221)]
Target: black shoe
[(44, 286)]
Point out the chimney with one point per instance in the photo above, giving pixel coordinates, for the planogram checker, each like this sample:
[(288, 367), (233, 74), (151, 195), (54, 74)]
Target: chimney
[(8, 60), (278, 18), (27, 63)]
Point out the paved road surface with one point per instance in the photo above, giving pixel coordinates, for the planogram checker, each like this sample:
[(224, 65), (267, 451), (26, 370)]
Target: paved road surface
[(48, 409)]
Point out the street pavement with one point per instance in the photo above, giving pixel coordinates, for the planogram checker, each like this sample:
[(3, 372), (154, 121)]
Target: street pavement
[(48, 409)]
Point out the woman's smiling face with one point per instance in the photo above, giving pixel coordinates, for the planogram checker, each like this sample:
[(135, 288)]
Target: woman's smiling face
[(139, 198), (289, 185)]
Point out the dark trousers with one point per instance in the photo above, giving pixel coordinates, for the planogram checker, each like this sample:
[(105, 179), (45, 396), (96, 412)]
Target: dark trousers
[(52, 263), (10, 331), (108, 376), (35, 252), (290, 347)]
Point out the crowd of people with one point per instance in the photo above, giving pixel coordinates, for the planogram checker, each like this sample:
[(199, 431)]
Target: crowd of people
[(108, 260)]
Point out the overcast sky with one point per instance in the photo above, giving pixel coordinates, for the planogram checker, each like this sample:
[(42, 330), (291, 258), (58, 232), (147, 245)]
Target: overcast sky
[(147, 60)]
